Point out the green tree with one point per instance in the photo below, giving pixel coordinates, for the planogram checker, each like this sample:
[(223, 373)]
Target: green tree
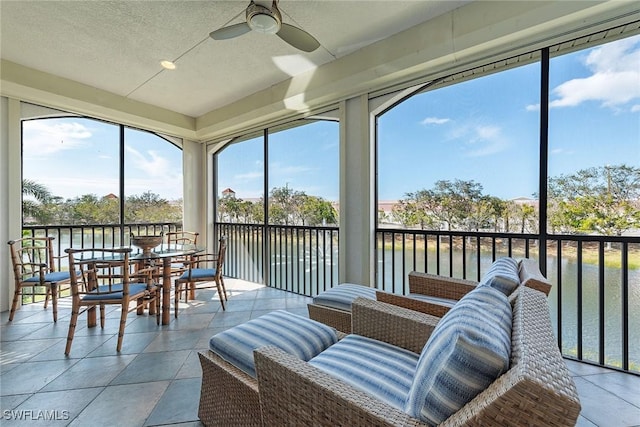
[(317, 211), (229, 208), (414, 210), (524, 217), (84, 209), (150, 207), (285, 206), (601, 200), (454, 203)]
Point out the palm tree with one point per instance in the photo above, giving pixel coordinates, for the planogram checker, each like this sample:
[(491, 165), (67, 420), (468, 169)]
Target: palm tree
[(40, 194)]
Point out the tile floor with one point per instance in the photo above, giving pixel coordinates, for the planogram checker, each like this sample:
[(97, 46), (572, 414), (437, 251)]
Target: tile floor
[(155, 380)]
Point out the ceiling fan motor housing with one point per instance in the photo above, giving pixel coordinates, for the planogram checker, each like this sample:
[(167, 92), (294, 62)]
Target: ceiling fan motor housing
[(263, 19)]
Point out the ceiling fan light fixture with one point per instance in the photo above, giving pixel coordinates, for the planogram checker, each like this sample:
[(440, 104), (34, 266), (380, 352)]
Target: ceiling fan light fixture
[(263, 20), (266, 24)]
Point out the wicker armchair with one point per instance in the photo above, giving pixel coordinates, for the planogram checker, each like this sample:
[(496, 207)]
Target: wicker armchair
[(428, 293), (536, 390)]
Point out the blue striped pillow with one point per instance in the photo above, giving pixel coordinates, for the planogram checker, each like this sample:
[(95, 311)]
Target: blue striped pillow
[(468, 349), (297, 335), (502, 275)]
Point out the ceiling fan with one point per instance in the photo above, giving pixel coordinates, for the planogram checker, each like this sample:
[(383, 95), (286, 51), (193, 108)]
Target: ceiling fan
[(261, 19)]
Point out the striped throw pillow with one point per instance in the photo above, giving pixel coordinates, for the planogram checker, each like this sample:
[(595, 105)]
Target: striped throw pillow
[(466, 352), (503, 275)]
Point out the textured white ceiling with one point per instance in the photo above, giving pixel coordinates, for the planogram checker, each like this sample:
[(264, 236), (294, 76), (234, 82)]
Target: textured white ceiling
[(117, 46)]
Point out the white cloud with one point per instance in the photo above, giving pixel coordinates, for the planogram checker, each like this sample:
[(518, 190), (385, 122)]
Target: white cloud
[(487, 132), (435, 121), (151, 163), (249, 176), (281, 170), (479, 140), (45, 137), (486, 140), (533, 107), (635, 108), (615, 78)]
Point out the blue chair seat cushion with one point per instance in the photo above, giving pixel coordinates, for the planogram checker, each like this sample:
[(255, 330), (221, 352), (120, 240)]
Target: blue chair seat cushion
[(199, 273), (468, 349), (341, 296), (297, 335), (56, 276), (379, 369), (116, 291), (503, 275)]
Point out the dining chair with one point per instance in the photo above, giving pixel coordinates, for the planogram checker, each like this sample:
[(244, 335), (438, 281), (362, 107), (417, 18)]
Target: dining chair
[(34, 266), (101, 276), (203, 268), (181, 238)]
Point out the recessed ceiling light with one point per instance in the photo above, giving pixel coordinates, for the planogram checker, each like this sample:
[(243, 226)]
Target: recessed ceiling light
[(168, 65)]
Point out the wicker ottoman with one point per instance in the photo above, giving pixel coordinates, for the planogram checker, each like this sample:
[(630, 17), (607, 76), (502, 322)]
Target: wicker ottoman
[(333, 306), (229, 393)]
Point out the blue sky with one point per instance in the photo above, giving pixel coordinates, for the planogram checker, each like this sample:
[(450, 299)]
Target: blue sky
[(76, 156), (485, 129)]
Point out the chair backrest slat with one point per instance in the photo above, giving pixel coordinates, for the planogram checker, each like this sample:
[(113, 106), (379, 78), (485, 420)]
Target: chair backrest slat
[(31, 255), (102, 271)]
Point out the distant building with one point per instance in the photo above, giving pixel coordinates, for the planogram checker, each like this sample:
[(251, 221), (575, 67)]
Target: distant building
[(385, 211), (227, 192), (111, 196)]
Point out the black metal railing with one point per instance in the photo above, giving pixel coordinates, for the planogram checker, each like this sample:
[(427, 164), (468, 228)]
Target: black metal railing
[(89, 235), (299, 259), (595, 298), (594, 301), (95, 235)]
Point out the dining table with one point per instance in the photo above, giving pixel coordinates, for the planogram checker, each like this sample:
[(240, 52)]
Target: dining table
[(160, 256)]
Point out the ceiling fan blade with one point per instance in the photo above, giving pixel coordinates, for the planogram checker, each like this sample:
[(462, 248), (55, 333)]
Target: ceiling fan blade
[(298, 38), (230, 32)]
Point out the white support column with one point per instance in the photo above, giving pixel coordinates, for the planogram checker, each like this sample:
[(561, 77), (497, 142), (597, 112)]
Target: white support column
[(194, 185), (10, 194), (357, 213)]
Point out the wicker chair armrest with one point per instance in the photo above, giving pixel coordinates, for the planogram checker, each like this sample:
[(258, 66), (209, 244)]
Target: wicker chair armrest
[(434, 309), (294, 393), (35, 266), (532, 277), (439, 286), (392, 324)]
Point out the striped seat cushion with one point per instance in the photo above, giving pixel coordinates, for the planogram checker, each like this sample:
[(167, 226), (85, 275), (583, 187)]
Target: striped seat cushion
[(341, 296), (375, 367), (502, 275), (297, 335), (468, 350), (433, 300)]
